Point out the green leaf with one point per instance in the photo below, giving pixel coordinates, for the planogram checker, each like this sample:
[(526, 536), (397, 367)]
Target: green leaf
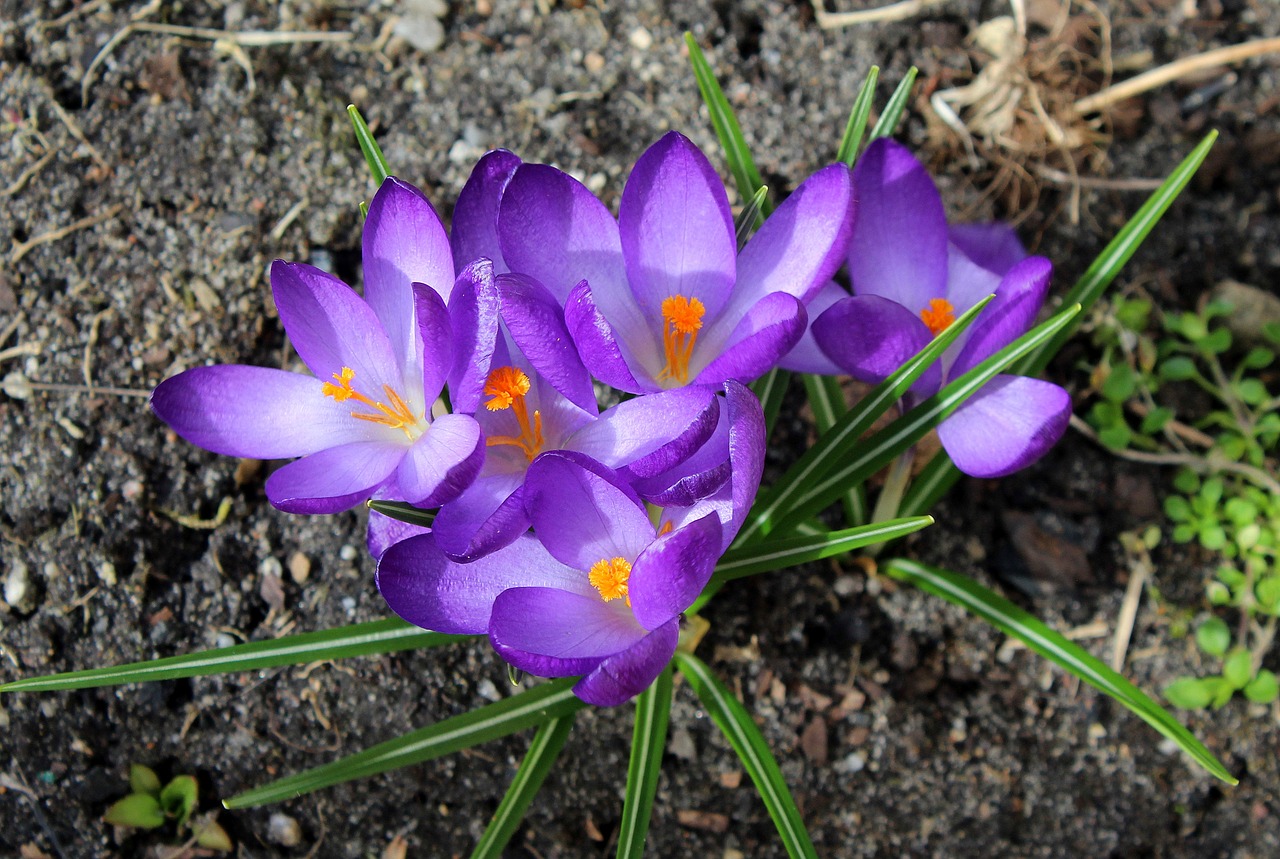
[(544, 749), (179, 797), (1186, 481), (361, 639), (648, 739), (372, 152), (402, 512), (1237, 668), (736, 152), (874, 453), (1216, 342), (1251, 391), (1189, 693), (826, 399), (1213, 636), (736, 724), (1258, 358), (1178, 369), (524, 710), (888, 121), (1118, 251), (1116, 437), (1268, 593), (1262, 689), (858, 115), (1212, 537), (750, 216), (846, 435), (139, 810), (143, 779), (1008, 618), (770, 390), (1120, 384), (211, 836), (1155, 420)]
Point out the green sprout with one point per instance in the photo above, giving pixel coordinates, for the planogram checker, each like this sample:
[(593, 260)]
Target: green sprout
[(150, 806)]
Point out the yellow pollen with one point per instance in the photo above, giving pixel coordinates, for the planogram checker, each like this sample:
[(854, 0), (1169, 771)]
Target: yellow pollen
[(938, 315), (609, 577), (507, 386), (398, 415), (681, 321)]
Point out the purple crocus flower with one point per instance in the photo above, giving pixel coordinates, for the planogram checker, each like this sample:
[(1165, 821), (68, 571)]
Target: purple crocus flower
[(912, 276), (660, 298), (597, 593), (364, 425), (538, 397)]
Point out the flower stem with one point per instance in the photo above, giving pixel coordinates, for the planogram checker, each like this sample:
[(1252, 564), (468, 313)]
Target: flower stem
[(890, 498)]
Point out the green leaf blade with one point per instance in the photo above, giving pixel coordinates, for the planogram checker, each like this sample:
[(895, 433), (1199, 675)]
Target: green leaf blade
[(736, 724), (648, 739), (893, 109), (524, 710), (372, 152), (856, 127), (1011, 620), (544, 749), (362, 639)]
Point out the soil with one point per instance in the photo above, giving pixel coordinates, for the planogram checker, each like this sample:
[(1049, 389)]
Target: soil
[(905, 727)]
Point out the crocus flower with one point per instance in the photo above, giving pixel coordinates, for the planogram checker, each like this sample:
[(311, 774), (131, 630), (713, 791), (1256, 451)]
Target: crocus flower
[(598, 593), (912, 276), (660, 298), (364, 425), (538, 397)]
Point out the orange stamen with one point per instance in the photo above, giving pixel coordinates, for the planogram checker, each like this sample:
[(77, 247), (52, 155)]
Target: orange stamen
[(609, 577), (398, 415), (938, 315), (682, 319), (507, 387)]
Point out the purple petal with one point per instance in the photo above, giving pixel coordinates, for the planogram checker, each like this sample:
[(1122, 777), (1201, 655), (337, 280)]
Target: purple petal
[(331, 327), (677, 230), (555, 230), (803, 243), (489, 515), (967, 282), (423, 586), (474, 310), (442, 462), (869, 337), (335, 479), (256, 412), (1017, 301), (805, 356), (769, 330), (583, 512), (599, 347), (536, 323), (652, 433), (474, 231), (403, 243), (384, 532), (1006, 426), (697, 477), (899, 246), (995, 247), (437, 338), (621, 677), (555, 633), (669, 575)]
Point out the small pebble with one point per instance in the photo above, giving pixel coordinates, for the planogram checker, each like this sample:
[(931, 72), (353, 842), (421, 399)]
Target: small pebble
[(299, 567), (271, 566), (284, 830), (844, 586), (17, 587), (347, 552), (851, 763), (107, 573), (593, 62), (488, 691), (641, 39)]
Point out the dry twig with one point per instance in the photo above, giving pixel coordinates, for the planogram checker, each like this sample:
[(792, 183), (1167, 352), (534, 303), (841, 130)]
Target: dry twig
[(899, 11), (21, 249)]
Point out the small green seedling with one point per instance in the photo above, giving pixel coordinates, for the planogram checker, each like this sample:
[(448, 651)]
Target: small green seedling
[(150, 806), (1227, 496)]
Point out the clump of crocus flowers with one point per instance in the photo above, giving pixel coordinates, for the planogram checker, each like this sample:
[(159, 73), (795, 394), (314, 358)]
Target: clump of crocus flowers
[(465, 381)]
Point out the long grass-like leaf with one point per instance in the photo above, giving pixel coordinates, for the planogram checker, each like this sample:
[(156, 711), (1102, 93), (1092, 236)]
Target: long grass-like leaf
[(736, 152), (372, 152), (833, 446), (534, 769), (1011, 620), (770, 389), (877, 451), (361, 639), (736, 724), (1118, 251), (402, 512), (648, 739), (888, 121), (856, 127), (523, 710), (826, 399)]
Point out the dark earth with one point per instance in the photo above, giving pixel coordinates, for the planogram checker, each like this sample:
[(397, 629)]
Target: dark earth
[(143, 207)]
